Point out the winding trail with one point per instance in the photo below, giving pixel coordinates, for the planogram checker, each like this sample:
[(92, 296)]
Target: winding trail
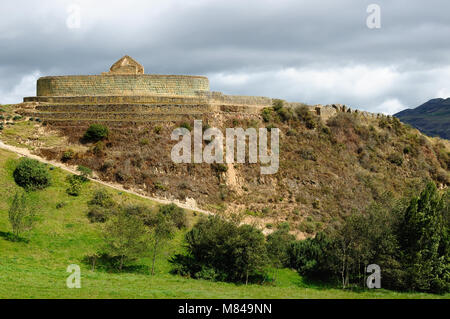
[(72, 169)]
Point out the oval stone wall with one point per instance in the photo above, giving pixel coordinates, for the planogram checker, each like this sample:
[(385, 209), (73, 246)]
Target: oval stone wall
[(122, 85)]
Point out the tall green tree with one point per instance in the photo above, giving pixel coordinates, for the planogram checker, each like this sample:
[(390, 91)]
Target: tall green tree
[(21, 215), (425, 243), (163, 230), (126, 237), (278, 244), (251, 254)]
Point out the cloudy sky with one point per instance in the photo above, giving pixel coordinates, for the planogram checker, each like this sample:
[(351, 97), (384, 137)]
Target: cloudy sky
[(311, 51)]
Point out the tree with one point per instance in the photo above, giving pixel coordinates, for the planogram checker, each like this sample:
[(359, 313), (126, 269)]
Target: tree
[(95, 133), (251, 254), (311, 257), (101, 206), (31, 175), (21, 215), (278, 244), (176, 214), (425, 243), (125, 237), (75, 185), (221, 250), (85, 172), (163, 229)]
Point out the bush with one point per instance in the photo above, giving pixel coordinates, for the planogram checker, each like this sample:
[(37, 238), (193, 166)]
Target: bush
[(266, 114), (277, 104), (125, 238), (285, 114), (31, 175), (396, 159), (310, 257), (101, 206), (278, 244), (223, 250), (85, 172), (67, 155), (96, 132), (98, 214), (21, 215), (304, 115), (176, 214), (75, 185), (219, 167), (102, 198)]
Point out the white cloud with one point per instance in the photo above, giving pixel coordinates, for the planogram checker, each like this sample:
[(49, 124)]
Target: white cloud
[(390, 106), (384, 89), (26, 87)]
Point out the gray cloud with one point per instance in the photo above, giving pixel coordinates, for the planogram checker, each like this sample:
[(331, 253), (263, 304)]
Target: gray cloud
[(311, 51)]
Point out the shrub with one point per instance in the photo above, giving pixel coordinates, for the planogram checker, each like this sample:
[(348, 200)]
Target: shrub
[(143, 212), (125, 238), (98, 214), (310, 256), (442, 176), (101, 206), (304, 115), (277, 104), (75, 185), (21, 215), (266, 114), (67, 155), (223, 250), (160, 186), (85, 172), (219, 167), (285, 114), (96, 132), (60, 205), (31, 175), (396, 159), (98, 148), (278, 244), (157, 129), (102, 198), (176, 214)]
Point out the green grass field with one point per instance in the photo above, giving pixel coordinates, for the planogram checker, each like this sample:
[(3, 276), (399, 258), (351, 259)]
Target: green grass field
[(37, 268)]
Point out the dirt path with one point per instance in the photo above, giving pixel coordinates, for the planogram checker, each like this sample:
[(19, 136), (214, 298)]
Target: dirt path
[(72, 169)]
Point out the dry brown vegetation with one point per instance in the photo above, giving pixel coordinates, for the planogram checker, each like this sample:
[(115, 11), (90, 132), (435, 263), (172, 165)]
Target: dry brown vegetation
[(327, 169)]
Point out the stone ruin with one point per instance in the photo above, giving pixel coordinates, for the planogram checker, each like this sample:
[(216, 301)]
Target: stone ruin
[(125, 94)]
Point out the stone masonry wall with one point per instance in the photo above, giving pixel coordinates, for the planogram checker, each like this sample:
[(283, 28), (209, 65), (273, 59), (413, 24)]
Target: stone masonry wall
[(121, 85)]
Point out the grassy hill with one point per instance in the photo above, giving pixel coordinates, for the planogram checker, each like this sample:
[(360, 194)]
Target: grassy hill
[(36, 267), (432, 117)]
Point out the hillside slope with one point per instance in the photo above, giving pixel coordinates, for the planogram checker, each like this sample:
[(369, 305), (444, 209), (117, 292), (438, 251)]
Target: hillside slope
[(328, 168), (432, 117), (36, 268)]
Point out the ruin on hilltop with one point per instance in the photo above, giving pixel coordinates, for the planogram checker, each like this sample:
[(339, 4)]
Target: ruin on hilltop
[(126, 94)]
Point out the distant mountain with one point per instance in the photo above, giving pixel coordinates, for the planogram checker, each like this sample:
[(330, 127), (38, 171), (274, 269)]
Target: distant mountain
[(432, 117)]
